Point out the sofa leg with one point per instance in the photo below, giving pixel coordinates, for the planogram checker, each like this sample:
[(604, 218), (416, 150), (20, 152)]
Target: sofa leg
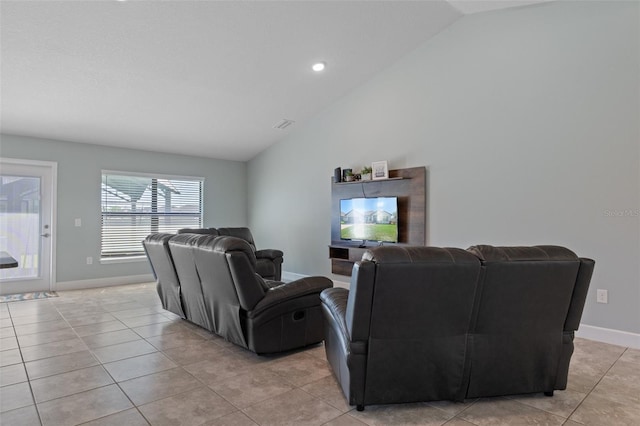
[(550, 393), (360, 407)]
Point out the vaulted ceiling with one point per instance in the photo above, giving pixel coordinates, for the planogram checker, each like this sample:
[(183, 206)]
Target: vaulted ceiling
[(205, 78)]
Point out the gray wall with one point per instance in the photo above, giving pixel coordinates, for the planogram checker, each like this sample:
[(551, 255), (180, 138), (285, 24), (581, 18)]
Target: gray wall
[(79, 167), (527, 120)]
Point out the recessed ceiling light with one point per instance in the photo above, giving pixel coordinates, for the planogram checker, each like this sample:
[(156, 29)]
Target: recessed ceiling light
[(318, 67)]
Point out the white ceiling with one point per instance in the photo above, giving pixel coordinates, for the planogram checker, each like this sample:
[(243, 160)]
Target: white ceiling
[(205, 78), (475, 6)]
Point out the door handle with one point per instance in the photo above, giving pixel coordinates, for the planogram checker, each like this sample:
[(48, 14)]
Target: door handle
[(47, 235)]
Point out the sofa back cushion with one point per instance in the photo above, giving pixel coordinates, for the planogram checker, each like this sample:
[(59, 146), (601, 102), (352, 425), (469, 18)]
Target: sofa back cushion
[(182, 251), (227, 266), (225, 297), (518, 330), (239, 232), (532, 286), (156, 247), (411, 285), (420, 303), (208, 231)]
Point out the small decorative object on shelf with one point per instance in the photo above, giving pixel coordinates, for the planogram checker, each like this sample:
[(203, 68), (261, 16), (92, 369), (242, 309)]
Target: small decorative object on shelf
[(347, 175), (380, 170), (337, 175), (365, 173)]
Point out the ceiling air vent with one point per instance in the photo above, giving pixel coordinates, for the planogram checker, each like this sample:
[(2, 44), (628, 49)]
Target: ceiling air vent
[(283, 124)]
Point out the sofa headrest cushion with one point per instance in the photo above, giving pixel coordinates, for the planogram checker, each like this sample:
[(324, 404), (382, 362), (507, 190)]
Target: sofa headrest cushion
[(240, 232), (225, 244), (209, 231), (158, 238), (418, 254), (488, 253), (188, 239)]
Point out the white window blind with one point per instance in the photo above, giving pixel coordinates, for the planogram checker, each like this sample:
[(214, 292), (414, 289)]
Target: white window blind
[(134, 206)]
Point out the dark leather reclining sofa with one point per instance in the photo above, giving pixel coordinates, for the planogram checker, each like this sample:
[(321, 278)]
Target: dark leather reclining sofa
[(426, 323), (211, 280), (268, 261)]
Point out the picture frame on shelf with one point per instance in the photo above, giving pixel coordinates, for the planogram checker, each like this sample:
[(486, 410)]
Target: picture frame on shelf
[(380, 170)]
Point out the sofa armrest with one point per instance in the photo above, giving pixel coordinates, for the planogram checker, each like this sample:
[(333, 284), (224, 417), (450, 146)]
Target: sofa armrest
[(579, 295), (269, 254), (288, 291), (334, 301)]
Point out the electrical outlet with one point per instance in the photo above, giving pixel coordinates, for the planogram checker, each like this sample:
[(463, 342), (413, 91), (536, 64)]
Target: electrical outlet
[(78, 223), (602, 296), (89, 260)]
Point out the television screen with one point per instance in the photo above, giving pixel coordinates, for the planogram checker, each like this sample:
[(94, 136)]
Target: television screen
[(369, 219)]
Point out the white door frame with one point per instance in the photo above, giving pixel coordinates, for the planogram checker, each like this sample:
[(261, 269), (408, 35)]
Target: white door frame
[(52, 219)]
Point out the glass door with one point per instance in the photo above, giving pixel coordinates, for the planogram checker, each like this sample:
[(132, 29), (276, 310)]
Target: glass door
[(26, 236)]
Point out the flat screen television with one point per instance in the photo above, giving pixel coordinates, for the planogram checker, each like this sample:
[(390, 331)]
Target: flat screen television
[(369, 219)]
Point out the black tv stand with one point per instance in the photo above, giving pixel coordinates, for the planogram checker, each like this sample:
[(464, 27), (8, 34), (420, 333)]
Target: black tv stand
[(343, 256)]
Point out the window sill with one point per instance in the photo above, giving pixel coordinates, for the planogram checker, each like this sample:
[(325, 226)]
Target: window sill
[(132, 259)]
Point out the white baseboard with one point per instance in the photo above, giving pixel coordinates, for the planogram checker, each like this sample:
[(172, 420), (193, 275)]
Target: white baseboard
[(608, 335), (292, 276), (103, 282), (342, 284)]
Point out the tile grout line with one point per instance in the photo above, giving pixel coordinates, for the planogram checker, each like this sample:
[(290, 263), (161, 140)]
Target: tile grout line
[(29, 380), (76, 333), (24, 366), (471, 404), (113, 378), (35, 403), (108, 373), (157, 350), (595, 386)]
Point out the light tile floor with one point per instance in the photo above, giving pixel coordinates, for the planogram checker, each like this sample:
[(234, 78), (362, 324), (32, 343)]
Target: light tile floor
[(112, 356)]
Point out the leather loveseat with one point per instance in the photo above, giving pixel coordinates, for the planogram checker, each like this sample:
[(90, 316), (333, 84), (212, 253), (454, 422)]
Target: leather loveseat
[(268, 261), (427, 323), (211, 281)]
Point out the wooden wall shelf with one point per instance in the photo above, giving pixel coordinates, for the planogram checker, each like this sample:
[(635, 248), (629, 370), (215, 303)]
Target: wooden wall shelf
[(409, 185), (368, 181)]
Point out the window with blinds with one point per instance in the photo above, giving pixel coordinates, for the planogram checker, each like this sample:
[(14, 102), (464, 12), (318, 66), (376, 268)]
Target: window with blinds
[(136, 205)]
